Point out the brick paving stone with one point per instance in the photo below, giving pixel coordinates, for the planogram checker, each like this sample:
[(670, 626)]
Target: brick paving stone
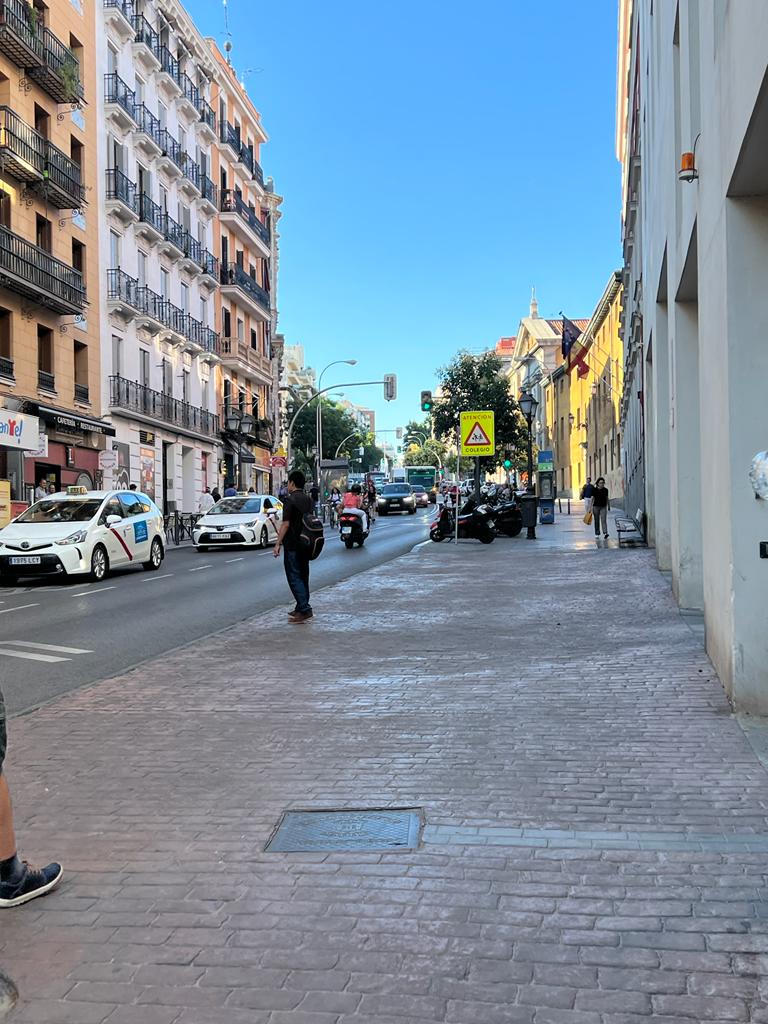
[(589, 813)]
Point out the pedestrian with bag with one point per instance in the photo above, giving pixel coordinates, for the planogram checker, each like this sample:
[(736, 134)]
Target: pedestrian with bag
[(296, 554), (600, 504)]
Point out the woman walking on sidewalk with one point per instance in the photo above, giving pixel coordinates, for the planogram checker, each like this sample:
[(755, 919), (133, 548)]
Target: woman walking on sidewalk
[(600, 505)]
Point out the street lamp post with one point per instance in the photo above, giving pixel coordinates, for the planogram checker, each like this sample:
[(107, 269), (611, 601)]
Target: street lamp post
[(319, 415), (528, 407), (241, 425)]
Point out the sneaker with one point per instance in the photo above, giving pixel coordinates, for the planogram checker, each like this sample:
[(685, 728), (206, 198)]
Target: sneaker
[(605, 536), (28, 884)]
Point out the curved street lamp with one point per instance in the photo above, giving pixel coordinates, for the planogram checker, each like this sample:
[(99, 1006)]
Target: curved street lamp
[(319, 415), (241, 425)]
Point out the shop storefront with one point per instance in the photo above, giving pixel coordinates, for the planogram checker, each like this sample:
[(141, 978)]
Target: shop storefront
[(19, 437), (68, 451)]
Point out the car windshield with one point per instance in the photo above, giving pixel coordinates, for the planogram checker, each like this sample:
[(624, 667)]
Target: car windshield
[(395, 490), (60, 510), (235, 506), (418, 490)]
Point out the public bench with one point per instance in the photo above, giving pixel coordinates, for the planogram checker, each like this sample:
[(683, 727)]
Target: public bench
[(631, 528)]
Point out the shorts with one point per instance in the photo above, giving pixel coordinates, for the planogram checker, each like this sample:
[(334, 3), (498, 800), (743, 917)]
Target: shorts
[(3, 734)]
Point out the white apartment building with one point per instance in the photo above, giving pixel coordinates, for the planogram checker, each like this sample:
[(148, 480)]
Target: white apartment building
[(159, 340), (693, 78)]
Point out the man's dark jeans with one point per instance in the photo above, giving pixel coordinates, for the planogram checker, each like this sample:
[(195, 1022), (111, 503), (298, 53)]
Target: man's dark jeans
[(297, 573)]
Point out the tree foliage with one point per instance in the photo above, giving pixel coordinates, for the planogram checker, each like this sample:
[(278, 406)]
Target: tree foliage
[(476, 382), (338, 425)]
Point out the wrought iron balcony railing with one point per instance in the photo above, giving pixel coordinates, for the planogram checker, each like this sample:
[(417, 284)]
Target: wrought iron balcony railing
[(257, 172), (209, 190), (46, 381), (135, 397), (116, 91), (6, 367), (207, 114), (121, 188), (124, 6), (44, 57), (169, 64), (82, 393), (173, 232), (233, 202), (30, 157), (147, 123), (150, 213), (210, 264), (28, 270), (146, 34), (189, 90), (170, 147), (234, 274), (190, 169)]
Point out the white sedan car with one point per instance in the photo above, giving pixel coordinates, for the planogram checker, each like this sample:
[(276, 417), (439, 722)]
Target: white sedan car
[(78, 532), (248, 520)]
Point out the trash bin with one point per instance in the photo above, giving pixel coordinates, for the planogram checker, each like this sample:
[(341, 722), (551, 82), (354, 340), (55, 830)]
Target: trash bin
[(528, 507)]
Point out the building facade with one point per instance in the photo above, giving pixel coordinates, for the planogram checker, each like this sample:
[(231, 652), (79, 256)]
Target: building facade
[(245, 240), (49, 259), (160, 344), (697, 82)]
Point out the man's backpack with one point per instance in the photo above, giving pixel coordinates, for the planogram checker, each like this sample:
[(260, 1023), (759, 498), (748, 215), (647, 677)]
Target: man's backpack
[(312, 535)]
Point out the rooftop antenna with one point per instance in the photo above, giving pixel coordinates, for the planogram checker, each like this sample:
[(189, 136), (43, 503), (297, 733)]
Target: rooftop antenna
[(228, 43)]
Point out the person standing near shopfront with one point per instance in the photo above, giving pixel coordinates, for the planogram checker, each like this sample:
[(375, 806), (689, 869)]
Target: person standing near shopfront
[(296, 561)]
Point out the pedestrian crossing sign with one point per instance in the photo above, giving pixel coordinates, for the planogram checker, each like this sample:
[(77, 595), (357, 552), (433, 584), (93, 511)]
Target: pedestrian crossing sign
[(477, 433)]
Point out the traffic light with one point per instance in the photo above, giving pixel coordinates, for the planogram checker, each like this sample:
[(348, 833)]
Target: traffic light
[(390, 387), (507, 460), (426, 401)]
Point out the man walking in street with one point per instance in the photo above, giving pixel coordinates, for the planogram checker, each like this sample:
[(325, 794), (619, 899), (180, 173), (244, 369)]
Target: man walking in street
[(296, 561), (314, 493), (588, 493), (19, 882)]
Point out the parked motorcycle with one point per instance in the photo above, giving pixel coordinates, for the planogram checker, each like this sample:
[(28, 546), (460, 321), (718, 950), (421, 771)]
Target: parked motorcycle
[(474, 523), (508, 518), (353, 527)]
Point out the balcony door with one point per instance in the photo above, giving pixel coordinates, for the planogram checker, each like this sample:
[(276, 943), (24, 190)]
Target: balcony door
[(143, 180), (5, 210)]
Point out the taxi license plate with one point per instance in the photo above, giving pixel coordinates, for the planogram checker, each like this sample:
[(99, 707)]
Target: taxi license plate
[(222, 536), (346, 529), (25, 560)]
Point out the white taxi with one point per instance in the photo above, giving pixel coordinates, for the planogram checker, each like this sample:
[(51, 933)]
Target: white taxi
[(247, 520), (78, 532)]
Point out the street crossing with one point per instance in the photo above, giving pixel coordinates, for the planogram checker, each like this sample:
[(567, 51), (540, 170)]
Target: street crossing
[(54, 652)]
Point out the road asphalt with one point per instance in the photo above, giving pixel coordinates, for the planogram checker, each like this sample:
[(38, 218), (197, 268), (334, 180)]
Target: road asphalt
[(58, 635)]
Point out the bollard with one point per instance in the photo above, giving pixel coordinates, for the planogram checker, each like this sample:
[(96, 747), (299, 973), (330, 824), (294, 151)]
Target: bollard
[(569, 506)]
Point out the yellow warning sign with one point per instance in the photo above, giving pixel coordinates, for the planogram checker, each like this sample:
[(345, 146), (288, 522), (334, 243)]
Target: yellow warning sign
[(477, 430)]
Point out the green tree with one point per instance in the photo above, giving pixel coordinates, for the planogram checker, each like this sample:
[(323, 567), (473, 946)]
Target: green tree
[(476, 382), (433, 453), (339, 430)]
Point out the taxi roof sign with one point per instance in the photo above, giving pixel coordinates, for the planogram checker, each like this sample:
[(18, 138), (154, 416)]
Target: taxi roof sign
[(478, 433), (76, 489)]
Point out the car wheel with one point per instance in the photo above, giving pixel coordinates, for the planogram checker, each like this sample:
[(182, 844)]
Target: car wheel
[(99, 564), (436, 536), (155, 555), (411, 511), (264, 538), (361, 541), (349, 544)]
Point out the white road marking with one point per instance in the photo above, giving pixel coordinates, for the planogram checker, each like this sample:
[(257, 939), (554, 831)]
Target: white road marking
[(20, 608), (240, 559), (87, 593), (154, 579), (29, 656), (199, 568), (46, 647)]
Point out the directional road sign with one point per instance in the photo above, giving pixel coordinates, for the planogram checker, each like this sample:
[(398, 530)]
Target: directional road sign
[(477, 433)]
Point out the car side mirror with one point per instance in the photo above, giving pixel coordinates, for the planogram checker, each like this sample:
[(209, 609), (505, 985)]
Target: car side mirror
[(111, 520)]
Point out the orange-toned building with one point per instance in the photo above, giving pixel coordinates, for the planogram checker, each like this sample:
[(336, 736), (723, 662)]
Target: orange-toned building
[(49, 277), (245, 242)]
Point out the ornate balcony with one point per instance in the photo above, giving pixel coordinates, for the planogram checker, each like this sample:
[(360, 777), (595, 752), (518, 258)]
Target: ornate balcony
[(30, 271), (147, 132), (151, 220), (172, 243), (189, 101), (192, 177), (120, 102), (43, 56), (31, 158), (6, 368), (121, 195), (258, 174), (168, 75), (238, 285), (82, 394), (146, 45), (155, 405), (238, 355), (237, 215), (118, 16), (46, 382), (206, 126), (170, 158), (209, 196)]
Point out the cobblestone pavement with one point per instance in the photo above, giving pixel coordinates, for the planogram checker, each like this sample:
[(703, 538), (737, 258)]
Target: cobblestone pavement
[(596, 823)]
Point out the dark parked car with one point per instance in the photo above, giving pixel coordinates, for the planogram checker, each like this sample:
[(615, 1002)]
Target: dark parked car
[(396, 498)]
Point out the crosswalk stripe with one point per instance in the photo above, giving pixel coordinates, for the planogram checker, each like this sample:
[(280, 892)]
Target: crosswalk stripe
[(46, 647), (30, 656)]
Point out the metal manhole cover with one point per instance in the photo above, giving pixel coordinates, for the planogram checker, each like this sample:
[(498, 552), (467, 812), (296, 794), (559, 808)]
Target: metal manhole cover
[(303, 831)]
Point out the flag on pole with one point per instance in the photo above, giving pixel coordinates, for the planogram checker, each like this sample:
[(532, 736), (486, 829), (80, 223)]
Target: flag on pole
[(571, 334)]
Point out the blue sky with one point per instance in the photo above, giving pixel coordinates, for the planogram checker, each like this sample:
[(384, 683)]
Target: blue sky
[(437, 159)]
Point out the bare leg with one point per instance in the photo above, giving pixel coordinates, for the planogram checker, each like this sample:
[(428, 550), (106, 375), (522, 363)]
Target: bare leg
[(7, 838)]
